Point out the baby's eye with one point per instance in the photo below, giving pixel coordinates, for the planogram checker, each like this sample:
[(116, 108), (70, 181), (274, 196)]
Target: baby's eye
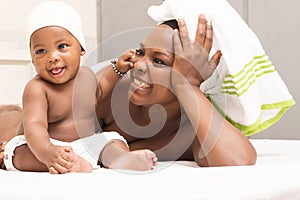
[(139, 52), (40, 51), (62, 46)]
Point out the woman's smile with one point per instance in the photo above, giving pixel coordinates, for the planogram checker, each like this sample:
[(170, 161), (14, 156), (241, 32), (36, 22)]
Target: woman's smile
[(140, 86)]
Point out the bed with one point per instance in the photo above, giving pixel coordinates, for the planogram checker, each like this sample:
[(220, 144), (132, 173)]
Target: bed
[(275, 176)]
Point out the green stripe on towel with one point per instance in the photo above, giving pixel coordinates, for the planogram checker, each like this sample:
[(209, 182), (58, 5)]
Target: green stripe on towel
[(239, 83), (258, 125)]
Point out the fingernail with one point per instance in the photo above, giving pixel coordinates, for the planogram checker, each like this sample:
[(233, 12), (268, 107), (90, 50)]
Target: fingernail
[(202, 16), (181, 21)]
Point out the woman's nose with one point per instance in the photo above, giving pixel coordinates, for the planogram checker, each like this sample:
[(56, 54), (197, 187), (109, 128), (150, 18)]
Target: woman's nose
[(140, 65)]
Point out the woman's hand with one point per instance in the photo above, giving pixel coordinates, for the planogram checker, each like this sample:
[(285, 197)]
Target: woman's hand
[(191, 59)]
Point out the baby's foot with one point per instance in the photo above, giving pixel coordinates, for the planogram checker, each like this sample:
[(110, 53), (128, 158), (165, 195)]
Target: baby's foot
[(135, 160), (2, 146), (81, 165)]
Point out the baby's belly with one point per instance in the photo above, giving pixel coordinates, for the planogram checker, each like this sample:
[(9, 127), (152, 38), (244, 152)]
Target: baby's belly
[(69, 131)]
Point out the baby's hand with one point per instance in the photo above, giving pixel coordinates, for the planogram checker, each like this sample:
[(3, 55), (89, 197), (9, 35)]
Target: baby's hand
[(60, 159), (124, 62)]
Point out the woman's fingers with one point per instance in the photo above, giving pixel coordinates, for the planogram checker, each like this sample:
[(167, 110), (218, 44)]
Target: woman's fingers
[(209, 37), (184, 34), (201, 30), (204, 35), (214, 61), (177, 44)]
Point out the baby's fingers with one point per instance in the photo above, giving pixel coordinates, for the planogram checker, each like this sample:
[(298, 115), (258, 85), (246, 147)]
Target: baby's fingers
[(129, 54), (53, 171), (58, 169)]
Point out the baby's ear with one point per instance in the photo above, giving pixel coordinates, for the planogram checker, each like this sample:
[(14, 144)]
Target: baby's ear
[(82, 52)]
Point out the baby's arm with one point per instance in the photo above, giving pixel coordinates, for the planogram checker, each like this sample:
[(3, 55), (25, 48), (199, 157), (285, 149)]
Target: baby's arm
[(35, 107), (108, 77)]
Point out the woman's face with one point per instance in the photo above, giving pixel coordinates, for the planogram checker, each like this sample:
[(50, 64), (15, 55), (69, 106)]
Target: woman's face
[(150, 76)]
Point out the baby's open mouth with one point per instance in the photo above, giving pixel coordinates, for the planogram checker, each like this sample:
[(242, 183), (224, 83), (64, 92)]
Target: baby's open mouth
[(56, 71)]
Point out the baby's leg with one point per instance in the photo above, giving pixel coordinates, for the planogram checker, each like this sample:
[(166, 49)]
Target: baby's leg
[(62, 160), (18, 161), (10, 118), (16, 150), (10, 107), (116, 155), (73, 162), (31, 163), (17, 156), (2, 146)]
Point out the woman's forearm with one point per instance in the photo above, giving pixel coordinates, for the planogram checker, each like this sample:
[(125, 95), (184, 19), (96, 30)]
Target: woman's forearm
[(221, 143)]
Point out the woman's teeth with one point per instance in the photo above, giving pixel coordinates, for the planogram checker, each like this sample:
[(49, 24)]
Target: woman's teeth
[(141, 84)]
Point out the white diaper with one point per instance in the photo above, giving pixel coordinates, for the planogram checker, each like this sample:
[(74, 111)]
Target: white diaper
[(88, 148)]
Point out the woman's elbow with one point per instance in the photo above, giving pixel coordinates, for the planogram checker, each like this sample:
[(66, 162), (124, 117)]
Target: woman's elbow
[(249, 158)]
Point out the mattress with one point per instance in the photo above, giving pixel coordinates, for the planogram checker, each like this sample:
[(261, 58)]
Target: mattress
[(275, 176)]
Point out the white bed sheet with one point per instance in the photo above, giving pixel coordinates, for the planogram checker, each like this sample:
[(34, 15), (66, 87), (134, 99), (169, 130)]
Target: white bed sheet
[(275, 176)]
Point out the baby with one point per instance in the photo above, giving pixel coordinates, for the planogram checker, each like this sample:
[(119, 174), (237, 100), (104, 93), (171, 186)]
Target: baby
[(59, 103)]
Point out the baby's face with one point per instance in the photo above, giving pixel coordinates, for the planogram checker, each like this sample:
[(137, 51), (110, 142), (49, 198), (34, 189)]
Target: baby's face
[(55, 53)]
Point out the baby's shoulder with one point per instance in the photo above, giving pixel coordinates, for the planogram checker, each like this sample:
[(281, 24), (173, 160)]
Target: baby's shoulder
[(36, 84)]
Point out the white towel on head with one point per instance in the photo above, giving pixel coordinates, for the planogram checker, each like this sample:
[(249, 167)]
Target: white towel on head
[(245, 87), (55, 13)]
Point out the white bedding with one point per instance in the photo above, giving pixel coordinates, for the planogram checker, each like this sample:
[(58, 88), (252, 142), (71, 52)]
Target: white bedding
[(275, 176)]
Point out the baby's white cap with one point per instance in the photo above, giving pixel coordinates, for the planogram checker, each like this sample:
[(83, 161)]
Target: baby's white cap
[(55, 13)]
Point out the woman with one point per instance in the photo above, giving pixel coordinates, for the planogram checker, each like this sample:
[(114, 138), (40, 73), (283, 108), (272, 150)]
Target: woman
[(159, 105)]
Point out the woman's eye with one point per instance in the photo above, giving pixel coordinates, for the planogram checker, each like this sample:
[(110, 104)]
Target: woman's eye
[(139, 52), (40, 51), (159, 61), (62, 46)]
